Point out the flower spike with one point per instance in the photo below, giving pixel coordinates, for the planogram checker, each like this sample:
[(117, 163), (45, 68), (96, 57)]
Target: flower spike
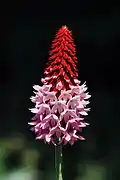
[(60, 103)]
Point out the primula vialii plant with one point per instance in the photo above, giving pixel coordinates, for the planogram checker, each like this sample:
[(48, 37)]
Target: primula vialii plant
[(60, 103)]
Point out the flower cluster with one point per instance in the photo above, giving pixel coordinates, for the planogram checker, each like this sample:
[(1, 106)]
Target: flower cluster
[(60, 104), (59, 119)]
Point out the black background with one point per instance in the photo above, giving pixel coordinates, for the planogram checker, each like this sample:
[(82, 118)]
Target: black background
[(27, 31)]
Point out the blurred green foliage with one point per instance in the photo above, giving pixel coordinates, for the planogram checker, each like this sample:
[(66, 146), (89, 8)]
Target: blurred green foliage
[(20, 161)]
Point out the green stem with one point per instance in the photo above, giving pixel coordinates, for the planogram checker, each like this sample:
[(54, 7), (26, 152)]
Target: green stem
[(58, 162)]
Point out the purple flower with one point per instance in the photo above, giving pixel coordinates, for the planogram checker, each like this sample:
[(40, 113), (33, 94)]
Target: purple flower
[(59, 119)]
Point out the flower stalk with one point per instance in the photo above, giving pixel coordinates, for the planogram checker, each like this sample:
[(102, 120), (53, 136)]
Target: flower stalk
[(58, 162)]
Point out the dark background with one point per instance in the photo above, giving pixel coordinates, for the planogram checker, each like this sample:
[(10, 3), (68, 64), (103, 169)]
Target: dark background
[(27, 31)]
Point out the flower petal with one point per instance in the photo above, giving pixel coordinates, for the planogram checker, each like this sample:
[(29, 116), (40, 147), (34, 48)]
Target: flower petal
[(59, 106), (48, 138), (34, 110), (37, 87), (83, 113)]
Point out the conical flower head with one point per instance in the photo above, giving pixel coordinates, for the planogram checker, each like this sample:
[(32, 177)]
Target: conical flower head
[(60, 103)]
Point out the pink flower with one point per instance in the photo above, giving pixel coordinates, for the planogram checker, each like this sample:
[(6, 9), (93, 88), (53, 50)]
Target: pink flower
[(59, 119)]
